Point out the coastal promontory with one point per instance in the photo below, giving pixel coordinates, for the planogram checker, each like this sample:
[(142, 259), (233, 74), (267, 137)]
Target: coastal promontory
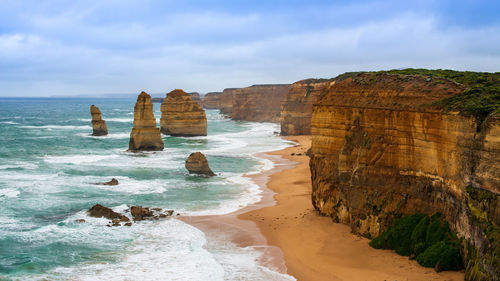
[(145, 135), (409, 144)]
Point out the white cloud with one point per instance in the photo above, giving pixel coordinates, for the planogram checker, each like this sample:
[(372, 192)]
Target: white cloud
[(181, 53)]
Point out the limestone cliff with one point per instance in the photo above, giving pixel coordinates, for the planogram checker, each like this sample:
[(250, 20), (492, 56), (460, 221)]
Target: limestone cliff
[(145, 135), (382, 148), (296, 111), (99, 127), (261, 103), (212, 100), (226, 100), (195, 96), (181, 116)]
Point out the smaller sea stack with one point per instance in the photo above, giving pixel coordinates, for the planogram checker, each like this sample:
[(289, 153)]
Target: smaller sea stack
[(145, 136), (98, 125), (197, 164), (181, 116)]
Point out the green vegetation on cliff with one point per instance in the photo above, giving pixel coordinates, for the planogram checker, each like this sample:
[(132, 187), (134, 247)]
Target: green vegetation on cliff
[(480, 99), (429, 239)]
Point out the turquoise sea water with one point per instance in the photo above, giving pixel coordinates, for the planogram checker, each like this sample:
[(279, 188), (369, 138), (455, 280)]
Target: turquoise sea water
[(49, 165)]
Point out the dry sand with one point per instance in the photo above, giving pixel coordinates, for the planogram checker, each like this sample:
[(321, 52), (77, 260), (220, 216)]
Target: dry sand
[(314, 247)]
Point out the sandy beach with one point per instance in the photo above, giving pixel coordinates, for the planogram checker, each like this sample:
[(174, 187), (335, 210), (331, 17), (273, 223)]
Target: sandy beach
[(314, 247)]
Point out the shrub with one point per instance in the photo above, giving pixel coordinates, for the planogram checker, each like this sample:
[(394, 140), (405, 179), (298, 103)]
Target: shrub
[(429, 238)]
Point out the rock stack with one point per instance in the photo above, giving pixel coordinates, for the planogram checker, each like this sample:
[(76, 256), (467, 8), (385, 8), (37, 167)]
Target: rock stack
[(212, 100), (98, 125), (181, 116), (197, 164), (145, 135)]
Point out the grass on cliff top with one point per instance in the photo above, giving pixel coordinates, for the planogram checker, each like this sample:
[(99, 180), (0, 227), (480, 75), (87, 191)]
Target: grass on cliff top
[(481, 99), (428, 238)]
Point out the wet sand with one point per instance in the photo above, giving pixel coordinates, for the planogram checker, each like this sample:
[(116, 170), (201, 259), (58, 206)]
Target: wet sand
[(296, 240)]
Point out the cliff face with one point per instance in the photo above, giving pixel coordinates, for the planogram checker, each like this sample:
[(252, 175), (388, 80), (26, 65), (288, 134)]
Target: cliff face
[(144, 135), (379, 150), (212, 100), (99, 127), (296, 111), (226, 100), (261, 103), (195, 96), (181, 116)]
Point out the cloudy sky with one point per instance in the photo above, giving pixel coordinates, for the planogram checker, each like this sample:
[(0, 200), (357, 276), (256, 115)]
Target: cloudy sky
[(52, 48)]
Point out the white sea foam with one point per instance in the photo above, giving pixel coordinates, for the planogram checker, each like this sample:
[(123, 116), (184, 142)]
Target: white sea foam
[(57, 127), (108, 136), (78, 159), (161, 250), (9, 122), (17, 165), (133, 186), (9, 193)]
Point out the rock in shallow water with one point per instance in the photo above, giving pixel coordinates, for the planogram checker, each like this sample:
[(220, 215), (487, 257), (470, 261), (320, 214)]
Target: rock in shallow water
[(145, 136), (98, 125), (197, 164), (99, 211)]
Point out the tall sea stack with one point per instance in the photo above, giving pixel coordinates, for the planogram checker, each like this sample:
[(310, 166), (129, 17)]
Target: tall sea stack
[(98, 125), (181, 116), (145, 136)]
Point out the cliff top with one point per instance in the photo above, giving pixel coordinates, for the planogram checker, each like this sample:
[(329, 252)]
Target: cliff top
[(471, 93)]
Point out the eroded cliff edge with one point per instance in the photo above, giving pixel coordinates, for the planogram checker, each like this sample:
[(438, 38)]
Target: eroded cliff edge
[(260, 103), (297, 107), (383, 147)]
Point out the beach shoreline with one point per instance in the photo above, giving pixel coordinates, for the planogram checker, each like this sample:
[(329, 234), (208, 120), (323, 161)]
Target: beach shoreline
[(295, 240)]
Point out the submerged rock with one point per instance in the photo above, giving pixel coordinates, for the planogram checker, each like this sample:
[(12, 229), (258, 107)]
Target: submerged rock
[(113, 181), (98, 125), (197, 164), (145, 136)]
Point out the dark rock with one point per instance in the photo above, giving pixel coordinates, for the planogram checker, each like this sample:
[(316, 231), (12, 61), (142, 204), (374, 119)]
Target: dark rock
[(128, 224), (80, 220), (99, 211), (412, 256), (293, 154), (139, 213), (113, 181), (197, 164)]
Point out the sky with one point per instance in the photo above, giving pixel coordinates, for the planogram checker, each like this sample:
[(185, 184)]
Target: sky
[(102, 48)]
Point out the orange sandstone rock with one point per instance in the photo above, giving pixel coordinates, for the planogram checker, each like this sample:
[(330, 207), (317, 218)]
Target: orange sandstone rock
[(197, 163), (212, 100), (145, 135), (181, 116), (98, 125)]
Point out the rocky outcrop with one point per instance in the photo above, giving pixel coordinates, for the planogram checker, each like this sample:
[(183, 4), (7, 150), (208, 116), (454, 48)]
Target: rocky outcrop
[(296, 111), (197, 163), (138, 213), (226, 101), (195, 96), (381, 150), (113, 181), (212, 100), (99, 211), (98, 125), (181, 116), (145, 136)]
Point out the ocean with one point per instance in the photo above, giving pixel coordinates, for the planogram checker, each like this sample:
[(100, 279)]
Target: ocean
[(49, 165)]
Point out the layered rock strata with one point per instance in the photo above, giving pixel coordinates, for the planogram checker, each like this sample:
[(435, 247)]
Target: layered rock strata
[(195, 96), (261, 103), (297, 107), (197, 163), (99, 127), (226, 100), (380, 150), (145, 135), (212, 100), (181, 116)]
